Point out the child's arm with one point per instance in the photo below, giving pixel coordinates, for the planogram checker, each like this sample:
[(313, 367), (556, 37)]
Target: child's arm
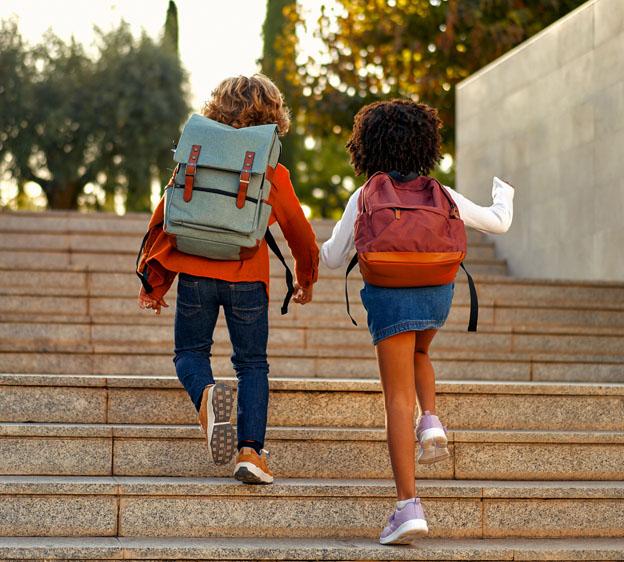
[(149, 302), (296, 228), (494, 219), (338, 249), (160, 279)]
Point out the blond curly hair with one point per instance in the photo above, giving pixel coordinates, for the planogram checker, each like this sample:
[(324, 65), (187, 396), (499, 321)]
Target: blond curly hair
[(243, 101)]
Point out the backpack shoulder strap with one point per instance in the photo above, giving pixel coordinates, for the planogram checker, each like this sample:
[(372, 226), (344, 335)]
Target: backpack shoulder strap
[(143, 275), (447, 195), (474, 302), (350, 267), (289, 276)]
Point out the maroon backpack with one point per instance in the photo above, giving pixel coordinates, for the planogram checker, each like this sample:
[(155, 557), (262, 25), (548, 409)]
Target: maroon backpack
[(409, 234)]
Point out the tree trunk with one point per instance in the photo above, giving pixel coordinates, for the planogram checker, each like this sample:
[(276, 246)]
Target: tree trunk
[(63, 196), (138, 201)]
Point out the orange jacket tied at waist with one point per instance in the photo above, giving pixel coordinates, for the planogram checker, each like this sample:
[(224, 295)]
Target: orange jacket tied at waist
[(163, 261)]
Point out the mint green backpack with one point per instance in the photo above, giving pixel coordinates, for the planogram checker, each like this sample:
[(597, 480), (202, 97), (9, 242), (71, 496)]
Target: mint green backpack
[(217, 207), (217, 204)]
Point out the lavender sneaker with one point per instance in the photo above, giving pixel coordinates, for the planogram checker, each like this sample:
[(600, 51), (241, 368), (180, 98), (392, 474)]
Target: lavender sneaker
[(405, 524), (432, 440)]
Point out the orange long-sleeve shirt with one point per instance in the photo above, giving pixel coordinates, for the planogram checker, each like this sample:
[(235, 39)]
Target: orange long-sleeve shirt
[(164, 261)]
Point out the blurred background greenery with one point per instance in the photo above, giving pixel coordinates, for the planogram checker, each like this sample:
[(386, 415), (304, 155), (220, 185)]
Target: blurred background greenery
[(93, 130)]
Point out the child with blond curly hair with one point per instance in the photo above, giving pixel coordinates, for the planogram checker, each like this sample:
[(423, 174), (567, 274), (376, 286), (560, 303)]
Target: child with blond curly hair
[(241, 288)]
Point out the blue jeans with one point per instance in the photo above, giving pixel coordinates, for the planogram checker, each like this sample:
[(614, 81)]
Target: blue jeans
[(246, 313)]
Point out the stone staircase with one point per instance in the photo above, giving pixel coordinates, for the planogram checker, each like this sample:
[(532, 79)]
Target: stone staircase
[(101, 457)]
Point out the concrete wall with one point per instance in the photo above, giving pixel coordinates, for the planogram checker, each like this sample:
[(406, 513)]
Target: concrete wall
[(549, 117)]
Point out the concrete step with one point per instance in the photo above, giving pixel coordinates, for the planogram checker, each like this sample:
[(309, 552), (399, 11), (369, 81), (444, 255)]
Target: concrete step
[(107, 310), (449, 365), (306, 341), (106, 251), (316, 402), (124, 310), (131, 225), (504, 291), (109, 241), (174, 507), (480, 262), (258, 549), (305, 452), (108, 224)]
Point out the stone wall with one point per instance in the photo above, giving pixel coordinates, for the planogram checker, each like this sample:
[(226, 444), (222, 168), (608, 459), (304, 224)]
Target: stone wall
[(549, 117)]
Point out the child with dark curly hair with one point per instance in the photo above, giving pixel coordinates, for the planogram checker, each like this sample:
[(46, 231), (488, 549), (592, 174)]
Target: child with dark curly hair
[(402, 139)]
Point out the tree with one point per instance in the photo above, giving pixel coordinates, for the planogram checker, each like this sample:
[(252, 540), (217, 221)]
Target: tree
[(308, 163), (417, 48), (326, 175), (278, 63), (15, 95), (170, 35), (47, 136), (380, 49), (141, 104), (67, 119)]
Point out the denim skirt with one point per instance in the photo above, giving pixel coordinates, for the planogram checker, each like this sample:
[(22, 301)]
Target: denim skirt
[(406, 309)]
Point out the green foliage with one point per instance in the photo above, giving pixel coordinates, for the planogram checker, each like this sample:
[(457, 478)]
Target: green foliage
[(326, 194), (140, 88), (67, 119), (380, 49), (278, 63), (415, 48), (170, 35), (308, 166), (16, 94)]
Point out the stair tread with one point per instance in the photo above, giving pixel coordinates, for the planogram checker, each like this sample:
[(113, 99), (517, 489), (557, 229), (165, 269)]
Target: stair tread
[(304, 487), (329, 353), (482, 278), (308, 549), (349, 384), (100, 329), (192, 431)]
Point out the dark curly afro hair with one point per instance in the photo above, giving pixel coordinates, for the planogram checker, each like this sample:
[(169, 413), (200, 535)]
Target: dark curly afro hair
[(397, 135)]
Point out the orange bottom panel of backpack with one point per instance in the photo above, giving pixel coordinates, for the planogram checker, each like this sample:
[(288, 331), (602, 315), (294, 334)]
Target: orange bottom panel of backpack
[(409, 269)]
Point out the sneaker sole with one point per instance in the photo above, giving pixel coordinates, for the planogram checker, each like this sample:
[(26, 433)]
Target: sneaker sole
[(407, 532), (221, 435), (250, 474), (433, 455), (433, 447)]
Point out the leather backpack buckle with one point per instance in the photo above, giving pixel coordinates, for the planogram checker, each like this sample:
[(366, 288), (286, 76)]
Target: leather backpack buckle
[(190, 171), (245, 178)]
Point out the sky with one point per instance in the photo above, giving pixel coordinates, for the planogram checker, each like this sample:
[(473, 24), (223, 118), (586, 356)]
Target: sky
[(209, 49)]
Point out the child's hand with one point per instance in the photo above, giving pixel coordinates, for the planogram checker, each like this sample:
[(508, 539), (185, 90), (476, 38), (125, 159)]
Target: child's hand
[(301, 295), (147, 302)]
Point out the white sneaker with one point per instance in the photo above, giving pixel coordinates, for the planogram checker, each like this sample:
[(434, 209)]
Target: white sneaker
[(432, 439)]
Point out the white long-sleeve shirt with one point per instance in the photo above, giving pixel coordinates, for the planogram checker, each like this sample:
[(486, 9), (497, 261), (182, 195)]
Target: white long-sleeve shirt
[(494, 219)]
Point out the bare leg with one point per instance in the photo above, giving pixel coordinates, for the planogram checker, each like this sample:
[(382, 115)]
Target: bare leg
[(424, 375), (395, 356)]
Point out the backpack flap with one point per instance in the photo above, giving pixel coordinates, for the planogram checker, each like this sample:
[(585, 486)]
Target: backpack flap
[(222, 172), (224, 147)]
